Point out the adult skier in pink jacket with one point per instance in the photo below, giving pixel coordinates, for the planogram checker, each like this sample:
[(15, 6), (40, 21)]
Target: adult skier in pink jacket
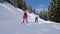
[(25, 16)]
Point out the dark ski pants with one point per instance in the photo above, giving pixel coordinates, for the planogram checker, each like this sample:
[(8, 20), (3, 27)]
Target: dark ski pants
[(25, 19)]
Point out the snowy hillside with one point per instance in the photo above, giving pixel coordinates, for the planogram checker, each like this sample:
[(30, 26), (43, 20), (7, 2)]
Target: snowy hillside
[(11, 19)]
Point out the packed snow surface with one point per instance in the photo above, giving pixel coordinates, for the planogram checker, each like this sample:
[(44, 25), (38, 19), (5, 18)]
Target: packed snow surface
[(11, 22)]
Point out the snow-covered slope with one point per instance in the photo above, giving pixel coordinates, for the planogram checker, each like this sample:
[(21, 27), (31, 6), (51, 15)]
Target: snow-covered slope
[(8, 20), (11, 19)]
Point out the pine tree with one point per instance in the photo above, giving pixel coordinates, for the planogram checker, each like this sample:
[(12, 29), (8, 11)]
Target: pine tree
[(22, 4), (54, 10), (1, 1), (41, 15), (57, 16), (30, 9), (34, 11)]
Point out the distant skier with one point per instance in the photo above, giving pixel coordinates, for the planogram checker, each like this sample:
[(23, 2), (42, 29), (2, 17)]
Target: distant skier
[(36, 18), (25, 16)]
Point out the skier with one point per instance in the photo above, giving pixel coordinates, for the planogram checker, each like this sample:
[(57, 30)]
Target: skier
[(36, 18), (25, 16)]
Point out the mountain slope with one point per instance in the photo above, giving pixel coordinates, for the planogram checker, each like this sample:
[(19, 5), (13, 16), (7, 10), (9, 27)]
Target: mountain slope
[(11, 19)]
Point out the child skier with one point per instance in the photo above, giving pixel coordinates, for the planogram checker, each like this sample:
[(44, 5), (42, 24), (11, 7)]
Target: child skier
[(25, 16), (36, 18)]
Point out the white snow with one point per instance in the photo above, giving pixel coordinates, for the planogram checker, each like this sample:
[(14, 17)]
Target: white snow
[(11, 19)]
